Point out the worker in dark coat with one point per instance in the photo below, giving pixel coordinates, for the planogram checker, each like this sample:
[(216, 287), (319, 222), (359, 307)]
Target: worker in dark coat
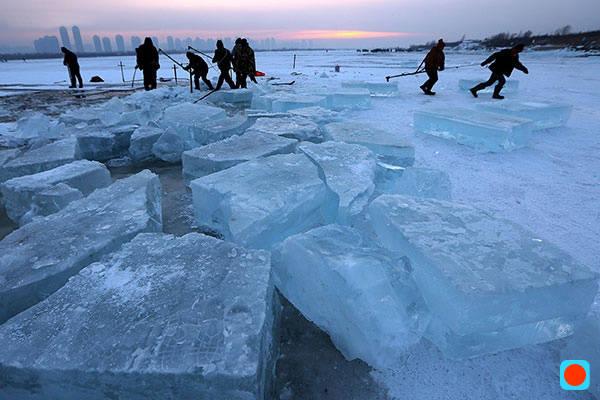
[(198, 68), (222, 58), (434, 62), (72, 64), (147, 62), (503, 64), (234, 60), (246, 63)]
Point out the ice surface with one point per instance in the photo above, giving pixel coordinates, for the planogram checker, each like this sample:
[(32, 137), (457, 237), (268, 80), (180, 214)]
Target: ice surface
[(260, 202), (85, 176), (490, 284), (298, 101), (291, 127), (98, 146), (142, 141), (424, 182), (37, 259), (163, 318), (585, 345), (186, 118), (389, 147), (545, 115), (51, 200), (348, 170), (232, 151), (319, 115), (41, 159), (265, 101), (375, 88), (238, 96), (35, 125), (169, 146), (349, 99), (511, 86), (479, 129), (357, 293), (8, 154)]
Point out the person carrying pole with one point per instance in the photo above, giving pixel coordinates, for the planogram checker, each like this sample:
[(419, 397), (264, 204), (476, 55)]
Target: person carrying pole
[(246, 64), (199, 69), (503, 64), (434, 62), (222, 58), (72, 64), (234, 61), (147, 62)]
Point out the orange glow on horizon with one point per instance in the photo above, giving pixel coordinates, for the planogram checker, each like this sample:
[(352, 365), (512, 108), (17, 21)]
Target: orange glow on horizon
[(334, 34)]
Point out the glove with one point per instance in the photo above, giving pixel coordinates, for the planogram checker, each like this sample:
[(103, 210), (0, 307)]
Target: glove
[(483, 64), (526, 71)]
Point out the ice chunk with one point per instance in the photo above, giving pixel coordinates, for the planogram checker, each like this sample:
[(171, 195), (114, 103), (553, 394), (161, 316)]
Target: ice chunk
[(545, 115), (388, 146), (142, 141), (583, 345), (41, 159), (375, 88), (511, 85), (238, 96), (348, 170), (490, 284), (98, 146), (319, 115), (219, 129), (387, 177), (85, 176), (169, 146), (232, 151), (357, 293), (37, 259), (265, 101), (424, 182), (349, 98), (35, 124), (8, 154), (298, 101), (186, 118), (261, 202), (51, 200), (164, 317), (291, 127), (479, 129)]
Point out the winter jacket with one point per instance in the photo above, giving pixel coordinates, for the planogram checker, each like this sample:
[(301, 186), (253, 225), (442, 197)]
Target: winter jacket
[(222, 58), (504, 62), (435, 59), (147, 57)]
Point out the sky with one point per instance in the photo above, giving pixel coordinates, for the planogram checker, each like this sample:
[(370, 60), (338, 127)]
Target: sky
[(335, 23)]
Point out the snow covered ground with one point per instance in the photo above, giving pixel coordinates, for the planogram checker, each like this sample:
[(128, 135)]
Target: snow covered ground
[(551, 187)]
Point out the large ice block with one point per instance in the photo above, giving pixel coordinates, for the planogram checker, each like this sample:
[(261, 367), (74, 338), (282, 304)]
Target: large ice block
[(375, 88), (85, 176), (348, 170), (186, 118), (360, 295), (41, 159), (169, 146), (142, 141), (349, 99), (479, 129), (219, 129), (423, 182), (291, 127), (239, 96), (260, 202), (98, 146), (8, 154), (163, 318), (319, 115), (50, 201), (490, 284), (389, 147), (37, 259), (37, 125), (298, 101), (544, 114), (511, 86), (232, 151)]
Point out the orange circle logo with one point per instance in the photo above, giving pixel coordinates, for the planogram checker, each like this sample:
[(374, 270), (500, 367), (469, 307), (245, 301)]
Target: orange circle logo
[(575, 375)]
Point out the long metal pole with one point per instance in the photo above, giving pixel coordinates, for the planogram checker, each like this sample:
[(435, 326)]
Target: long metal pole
[(205, 55)]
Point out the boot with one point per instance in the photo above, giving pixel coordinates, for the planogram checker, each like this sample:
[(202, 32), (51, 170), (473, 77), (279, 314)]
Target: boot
[(430, 93), (424, 88), (474, 92), (497, 95)]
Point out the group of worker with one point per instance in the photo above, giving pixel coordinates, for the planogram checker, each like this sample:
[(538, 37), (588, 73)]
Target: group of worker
[(241, 60), (502, 64)]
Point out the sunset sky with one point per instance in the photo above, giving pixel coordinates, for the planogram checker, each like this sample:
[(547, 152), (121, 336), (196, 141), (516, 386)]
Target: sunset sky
[(344, 22)]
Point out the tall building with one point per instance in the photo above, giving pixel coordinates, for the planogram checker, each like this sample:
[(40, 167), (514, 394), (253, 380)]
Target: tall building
[(64, 37), (106, 45), (47, 45), (170, 43), (120, 43), (97, 44), (136, 41), (178, 44), (77, 39)]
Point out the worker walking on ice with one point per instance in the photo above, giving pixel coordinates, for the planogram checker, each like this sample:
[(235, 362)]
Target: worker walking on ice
[(503, 64), (147, 62), (199, 69), (434, 62), (72, 64), (222, 58), (245, 63)]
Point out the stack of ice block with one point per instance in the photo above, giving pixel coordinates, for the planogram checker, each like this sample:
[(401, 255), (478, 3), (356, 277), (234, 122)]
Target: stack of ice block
[(226, 153), (375, 88), (490, 284), (163, 318), (388, 146), (263, 201), (298, 128), (20, 193), (545, 115), (348, 170), (361, 296), (37, 259), (511, 86), (479, 129)]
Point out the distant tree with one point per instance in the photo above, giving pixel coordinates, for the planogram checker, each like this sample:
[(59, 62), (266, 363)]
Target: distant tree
[(527, 34), (565, 30)]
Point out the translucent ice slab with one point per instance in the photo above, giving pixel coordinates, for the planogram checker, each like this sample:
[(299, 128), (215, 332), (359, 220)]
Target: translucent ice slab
[(424, 182), (187, 118), (239, 96), (260, 202), (545, 115), (490, 284), (298, 101), (319, 115), (375, 88), (142, 140), (360, 295), (479, 129), (290, 127), (162, 318), (349, 99), (37, 259)]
